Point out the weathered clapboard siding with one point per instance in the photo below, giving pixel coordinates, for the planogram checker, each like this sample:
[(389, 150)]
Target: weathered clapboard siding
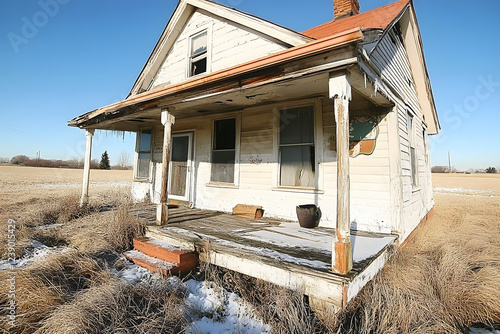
[(258, 170), (370, 177), (391, 59), (229, 45)]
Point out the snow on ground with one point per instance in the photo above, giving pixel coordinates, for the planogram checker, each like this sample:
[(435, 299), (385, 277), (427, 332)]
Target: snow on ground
[(220, 311), (116, 184), (36, 252), (212, 309), (464, 192)]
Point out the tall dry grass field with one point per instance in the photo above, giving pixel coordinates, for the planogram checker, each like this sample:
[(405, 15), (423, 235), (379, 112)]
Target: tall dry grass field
[(445, 280), (72, 290), (448, 278)]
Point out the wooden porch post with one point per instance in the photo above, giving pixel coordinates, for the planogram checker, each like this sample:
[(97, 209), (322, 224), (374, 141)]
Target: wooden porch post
[(162, 210), (89, 133), (340, 91)]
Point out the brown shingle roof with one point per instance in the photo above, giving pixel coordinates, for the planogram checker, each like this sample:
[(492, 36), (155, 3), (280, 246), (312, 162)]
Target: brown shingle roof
[(378, 18)]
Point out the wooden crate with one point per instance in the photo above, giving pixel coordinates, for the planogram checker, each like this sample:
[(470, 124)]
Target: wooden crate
[(248, 211)]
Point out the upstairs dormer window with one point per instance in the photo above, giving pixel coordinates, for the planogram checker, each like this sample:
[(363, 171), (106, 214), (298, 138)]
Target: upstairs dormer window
[(198, 54)]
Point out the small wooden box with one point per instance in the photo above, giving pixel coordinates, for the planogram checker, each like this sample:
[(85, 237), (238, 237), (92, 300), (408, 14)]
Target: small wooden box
[(248, 211)]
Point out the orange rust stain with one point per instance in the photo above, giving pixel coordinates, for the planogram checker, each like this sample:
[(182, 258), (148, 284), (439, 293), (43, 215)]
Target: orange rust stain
[(341, 265)]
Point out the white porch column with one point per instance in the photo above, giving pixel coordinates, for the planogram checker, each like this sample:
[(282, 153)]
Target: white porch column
[(340, 91), (89, 133), (162, 210)]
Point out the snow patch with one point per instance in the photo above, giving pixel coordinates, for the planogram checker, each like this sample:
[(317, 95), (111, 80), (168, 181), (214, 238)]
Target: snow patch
[(220, 311), (36, 252)]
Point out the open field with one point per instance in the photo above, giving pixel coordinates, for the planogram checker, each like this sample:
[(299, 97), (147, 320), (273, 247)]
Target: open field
[(21, 184), (446, 280)]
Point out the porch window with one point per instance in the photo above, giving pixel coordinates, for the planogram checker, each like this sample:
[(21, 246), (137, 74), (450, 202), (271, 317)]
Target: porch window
[(198, 54), (296, 147), (144, 154), (224, 150), (411, 143)]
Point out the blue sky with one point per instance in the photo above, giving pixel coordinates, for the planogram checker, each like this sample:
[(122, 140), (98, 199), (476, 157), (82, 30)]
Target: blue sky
[(84, 54)]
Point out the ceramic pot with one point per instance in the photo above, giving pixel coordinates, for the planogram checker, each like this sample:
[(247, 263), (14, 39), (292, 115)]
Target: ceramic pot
[(308, 215)]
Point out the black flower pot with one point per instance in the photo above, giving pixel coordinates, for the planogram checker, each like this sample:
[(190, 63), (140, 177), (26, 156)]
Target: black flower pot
[(308, 215)]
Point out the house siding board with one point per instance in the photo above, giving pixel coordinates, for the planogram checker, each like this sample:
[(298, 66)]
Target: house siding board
[(258, 178), (391, 60), (231, 45)]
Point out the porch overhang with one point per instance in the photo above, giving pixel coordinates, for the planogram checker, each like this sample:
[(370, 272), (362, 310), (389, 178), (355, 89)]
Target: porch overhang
[(297, 73)]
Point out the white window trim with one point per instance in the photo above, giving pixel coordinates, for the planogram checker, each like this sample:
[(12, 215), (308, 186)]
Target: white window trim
[(236, 182), (191, 169), (318, 146), (136, 156), (208, 29), (410, 116)]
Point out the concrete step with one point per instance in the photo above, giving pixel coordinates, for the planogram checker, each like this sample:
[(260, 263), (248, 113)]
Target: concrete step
[(186, 260), (153, 264)]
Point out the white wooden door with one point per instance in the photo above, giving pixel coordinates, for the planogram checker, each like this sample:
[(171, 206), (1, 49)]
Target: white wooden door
[(180, 166)]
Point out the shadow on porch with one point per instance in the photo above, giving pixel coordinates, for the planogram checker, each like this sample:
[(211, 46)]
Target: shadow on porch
[(274, 250)]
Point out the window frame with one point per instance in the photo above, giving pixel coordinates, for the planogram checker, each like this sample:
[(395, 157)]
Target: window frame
[(317, 144), (206, 55), (139, 152), (412, 150), (235, 183)]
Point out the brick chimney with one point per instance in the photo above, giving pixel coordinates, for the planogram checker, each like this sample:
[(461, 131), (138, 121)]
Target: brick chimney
[(343, 8)]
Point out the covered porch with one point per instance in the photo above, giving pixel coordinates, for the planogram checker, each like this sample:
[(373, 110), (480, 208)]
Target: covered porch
[(332, 79), (277, 251)]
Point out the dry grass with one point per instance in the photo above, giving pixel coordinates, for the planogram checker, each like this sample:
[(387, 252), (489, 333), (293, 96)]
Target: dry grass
[(286, 311), (44, 285), (123, 228), (120, 307), (446, 280)]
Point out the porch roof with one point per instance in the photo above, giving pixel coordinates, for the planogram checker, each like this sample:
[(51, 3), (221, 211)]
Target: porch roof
[(147, 99)]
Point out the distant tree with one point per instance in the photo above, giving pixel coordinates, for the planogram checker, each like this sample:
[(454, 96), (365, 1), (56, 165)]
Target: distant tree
[(4, 160), (94, 164), (440, 169), (104, 164), (491, 170), (124, 160), (19, 159)]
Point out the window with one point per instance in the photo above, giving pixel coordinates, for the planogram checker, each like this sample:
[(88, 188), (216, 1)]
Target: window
[(224, 150), (413, 158), (198, 54), (296, 147), (144, 154)]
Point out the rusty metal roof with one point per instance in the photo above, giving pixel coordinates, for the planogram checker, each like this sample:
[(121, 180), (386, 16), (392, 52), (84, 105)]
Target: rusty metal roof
[(378, 18)]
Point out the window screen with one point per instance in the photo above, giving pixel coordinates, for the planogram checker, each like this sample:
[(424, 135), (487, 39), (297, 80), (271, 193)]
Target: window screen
[(413, 158), (296, 148), (198, 61), (224, 151), (144, 156)]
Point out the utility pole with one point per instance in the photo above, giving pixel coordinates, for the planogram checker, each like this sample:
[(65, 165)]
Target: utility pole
[(449, 162)]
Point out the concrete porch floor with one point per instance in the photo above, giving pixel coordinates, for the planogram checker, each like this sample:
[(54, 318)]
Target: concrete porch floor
[(274, 250)]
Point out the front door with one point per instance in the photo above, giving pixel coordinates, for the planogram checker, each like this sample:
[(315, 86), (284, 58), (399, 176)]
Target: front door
[(180, 166)]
